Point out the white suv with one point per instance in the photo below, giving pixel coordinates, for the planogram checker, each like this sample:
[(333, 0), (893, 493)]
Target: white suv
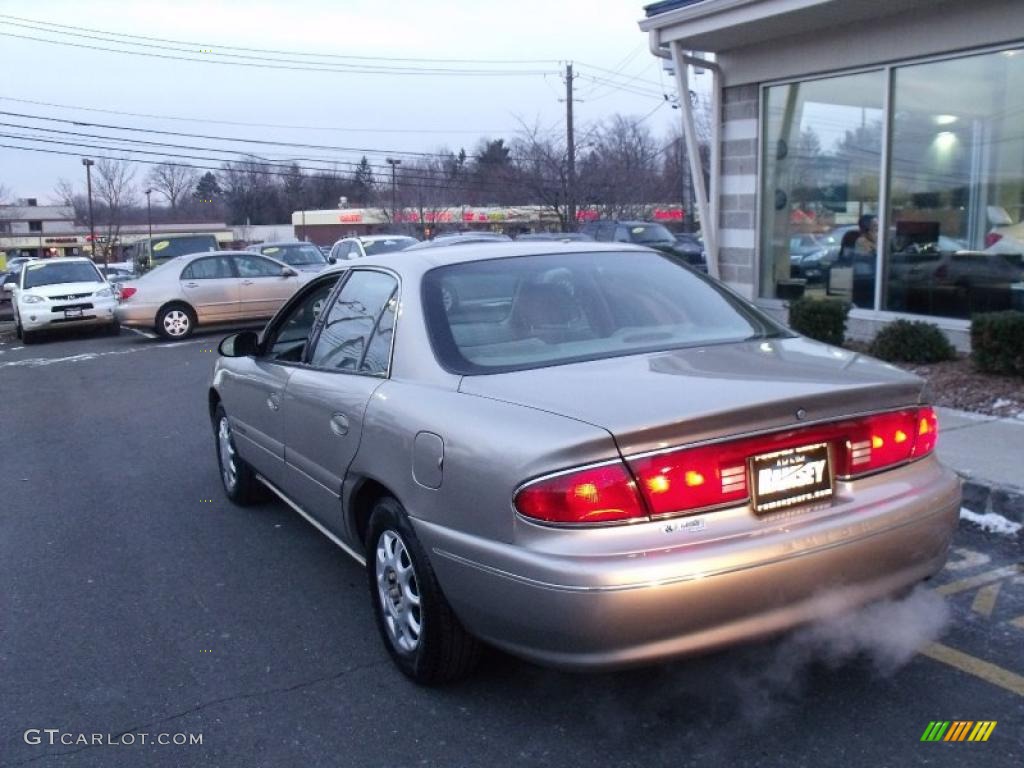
[(51, 293), (370, 245)]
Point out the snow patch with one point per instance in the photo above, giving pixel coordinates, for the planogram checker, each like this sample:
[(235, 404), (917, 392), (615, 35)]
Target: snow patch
[(991, 522), (1002, 402)]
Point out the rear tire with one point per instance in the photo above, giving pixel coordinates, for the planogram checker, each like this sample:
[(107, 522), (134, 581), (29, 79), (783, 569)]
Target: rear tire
[(424, 637), (176, 322), (237, 477)]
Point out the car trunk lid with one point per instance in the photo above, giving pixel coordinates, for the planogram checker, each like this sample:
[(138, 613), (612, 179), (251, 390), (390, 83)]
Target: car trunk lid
[(661, 399)]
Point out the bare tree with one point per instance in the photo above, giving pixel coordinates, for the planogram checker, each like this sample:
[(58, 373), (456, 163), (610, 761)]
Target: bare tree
[(115, 191), (174, 181), (541, 171), (620, 171), (5, 194), (64, 193)]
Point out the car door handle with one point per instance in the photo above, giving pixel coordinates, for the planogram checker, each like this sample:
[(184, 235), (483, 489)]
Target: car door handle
[(247, 282), (339, 424), (274, 401), (191, 285)]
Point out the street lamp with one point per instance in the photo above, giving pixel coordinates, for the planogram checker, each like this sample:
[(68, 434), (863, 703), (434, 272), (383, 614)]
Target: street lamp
[(92, 225), (149, 216), (394, 163)]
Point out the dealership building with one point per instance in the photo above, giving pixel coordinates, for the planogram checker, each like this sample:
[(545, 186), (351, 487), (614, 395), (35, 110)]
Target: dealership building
[(862, 149)]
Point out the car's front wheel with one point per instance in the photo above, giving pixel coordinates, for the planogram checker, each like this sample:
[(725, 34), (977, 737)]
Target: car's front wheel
[(422, 633), (238, 478), (176, 321)]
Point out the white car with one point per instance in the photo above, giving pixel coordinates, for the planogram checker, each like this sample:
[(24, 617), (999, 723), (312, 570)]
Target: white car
[(55, 293), (369, 245), (1005, 236)]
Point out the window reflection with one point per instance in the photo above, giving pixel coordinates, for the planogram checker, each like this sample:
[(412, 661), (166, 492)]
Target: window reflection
[(957, 186), (822, 164)]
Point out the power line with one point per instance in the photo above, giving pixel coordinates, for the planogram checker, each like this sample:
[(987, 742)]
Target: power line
[(478, 131), (332, 70), (285, 52)]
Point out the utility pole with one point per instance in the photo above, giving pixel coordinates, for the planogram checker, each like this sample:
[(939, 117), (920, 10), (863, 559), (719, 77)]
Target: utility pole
[(149, 215), (92, 226), (570, 148), (394, 163)]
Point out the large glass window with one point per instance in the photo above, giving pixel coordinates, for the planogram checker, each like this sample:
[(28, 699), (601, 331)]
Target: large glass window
[(956, 186), (820, 183)]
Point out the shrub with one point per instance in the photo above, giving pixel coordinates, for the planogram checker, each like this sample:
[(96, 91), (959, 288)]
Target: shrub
[(904, 341), (821, 319), (997, 342)]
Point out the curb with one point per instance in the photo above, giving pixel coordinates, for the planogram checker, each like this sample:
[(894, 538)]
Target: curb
[(982, 497)]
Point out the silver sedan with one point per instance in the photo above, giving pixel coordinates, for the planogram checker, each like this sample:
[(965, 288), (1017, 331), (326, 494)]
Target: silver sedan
[(209, 288), (585, 454)]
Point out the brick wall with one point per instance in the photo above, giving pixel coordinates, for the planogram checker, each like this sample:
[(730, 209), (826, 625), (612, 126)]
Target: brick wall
[(738, 189)]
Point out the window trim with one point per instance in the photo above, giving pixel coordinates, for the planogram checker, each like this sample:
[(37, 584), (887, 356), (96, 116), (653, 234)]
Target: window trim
[(888, 68), (187, 267), (396, 294), (263, 349)]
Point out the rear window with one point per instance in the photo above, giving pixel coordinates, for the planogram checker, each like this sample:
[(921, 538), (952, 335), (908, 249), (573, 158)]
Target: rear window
[(527, 312), (300, 255), (68, 272), (373, 247), (169, 247)]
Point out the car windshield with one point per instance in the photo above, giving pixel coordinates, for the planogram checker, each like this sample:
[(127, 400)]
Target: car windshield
[(650, 233), (68, 272), (373, 247), (300, 255), (517, 313)]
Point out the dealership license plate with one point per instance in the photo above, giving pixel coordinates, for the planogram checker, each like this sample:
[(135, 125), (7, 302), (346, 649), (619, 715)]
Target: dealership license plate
[(792, 476), (72, 313)]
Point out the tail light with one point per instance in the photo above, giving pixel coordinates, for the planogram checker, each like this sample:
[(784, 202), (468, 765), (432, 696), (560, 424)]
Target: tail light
[(597, 495), (992, 238), (127, 293), (716, 475)]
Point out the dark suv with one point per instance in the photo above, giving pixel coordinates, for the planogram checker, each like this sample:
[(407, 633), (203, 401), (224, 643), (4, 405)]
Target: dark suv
[(647, 233)]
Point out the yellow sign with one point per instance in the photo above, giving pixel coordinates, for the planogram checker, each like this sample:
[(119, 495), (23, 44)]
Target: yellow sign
[(161, 245)]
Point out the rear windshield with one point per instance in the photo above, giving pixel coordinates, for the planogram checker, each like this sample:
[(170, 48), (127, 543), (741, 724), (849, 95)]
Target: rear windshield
[(650, 233), (169, 247), (51, 274), (373, 247), (296, 255), (517, 313)]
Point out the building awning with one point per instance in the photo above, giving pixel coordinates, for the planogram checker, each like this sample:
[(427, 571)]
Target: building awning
[(720, 25)]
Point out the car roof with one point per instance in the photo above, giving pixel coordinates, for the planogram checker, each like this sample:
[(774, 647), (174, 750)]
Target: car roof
[(426, 258)]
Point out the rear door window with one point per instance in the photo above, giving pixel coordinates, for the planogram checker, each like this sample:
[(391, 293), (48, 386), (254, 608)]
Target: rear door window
[(210, 268)]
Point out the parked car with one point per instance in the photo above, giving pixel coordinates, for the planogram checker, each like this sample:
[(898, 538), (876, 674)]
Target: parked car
[(500, 437), (1005, 236), (369, 245), (647, 233), (305, 257), (461, 238), (57, 293), (151, 252), (809, 258), (561, 237), (219, 288)]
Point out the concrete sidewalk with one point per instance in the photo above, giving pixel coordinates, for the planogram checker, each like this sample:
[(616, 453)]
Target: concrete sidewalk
[(988, 452)]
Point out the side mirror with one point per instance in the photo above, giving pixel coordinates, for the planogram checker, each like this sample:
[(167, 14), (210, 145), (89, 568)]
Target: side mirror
[(288, 272), (9, 286), (243, 344), (332, 259)]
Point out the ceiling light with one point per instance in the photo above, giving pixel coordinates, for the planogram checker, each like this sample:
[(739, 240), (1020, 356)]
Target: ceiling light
[(945, 119)]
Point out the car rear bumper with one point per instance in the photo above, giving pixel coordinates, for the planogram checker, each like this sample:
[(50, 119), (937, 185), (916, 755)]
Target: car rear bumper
[(641, 607), (136, 315)]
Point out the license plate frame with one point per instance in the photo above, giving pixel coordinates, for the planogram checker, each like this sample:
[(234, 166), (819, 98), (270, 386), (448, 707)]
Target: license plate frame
[(74, 312), (791, 477)]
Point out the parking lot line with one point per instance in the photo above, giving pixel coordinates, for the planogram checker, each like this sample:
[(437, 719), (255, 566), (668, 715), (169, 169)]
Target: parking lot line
[(147, 334), (981, 579), (37, 362), (984, 670)]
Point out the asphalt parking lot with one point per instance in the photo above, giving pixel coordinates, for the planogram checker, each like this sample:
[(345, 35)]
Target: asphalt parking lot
[(136, 599)]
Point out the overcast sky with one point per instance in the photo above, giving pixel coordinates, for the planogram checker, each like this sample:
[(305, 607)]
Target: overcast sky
[(338, 109)]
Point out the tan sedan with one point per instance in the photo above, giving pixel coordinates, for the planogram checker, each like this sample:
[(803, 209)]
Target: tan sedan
[(210, 288)]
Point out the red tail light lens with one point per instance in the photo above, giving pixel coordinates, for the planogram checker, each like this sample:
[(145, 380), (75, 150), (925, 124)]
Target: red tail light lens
[(992, 238), (598, 495), (127, 293), (709, 476), (715, 475)]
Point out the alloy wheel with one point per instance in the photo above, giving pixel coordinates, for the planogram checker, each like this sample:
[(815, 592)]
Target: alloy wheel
[(399, 592), (228, 468), (176, 323)]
